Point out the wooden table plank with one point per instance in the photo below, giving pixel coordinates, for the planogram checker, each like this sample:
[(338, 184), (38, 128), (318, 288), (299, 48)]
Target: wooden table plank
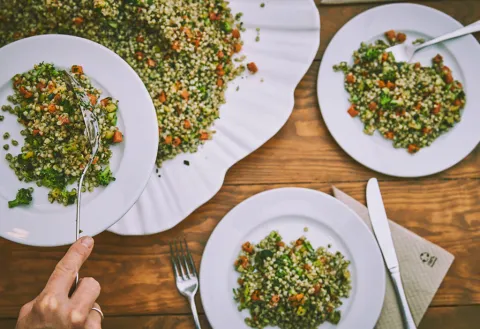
[(461, 317), (135, 272), (137, 284), (304, 150)]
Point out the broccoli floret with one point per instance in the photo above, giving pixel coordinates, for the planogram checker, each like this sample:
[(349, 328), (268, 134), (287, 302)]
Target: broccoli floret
[(24, 197), (68, 197), (372, 54), (52, 178), (105, 176)]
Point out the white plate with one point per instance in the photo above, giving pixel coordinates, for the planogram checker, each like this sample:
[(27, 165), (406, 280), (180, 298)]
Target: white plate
[(290, 210), (45, 224), (375, 152), (289, 39)]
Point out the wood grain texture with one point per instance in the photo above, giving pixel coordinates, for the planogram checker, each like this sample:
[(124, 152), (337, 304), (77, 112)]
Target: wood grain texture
[(461, 317), (138, 289), (136, 276)]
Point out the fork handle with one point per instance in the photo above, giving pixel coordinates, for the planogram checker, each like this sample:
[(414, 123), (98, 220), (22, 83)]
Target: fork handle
[(472, 28), (194, 312)]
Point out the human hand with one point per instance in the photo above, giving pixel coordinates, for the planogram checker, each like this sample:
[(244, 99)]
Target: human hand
[(53, 308)]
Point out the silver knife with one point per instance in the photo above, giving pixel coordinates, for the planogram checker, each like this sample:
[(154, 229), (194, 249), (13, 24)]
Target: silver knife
[(379, 220)]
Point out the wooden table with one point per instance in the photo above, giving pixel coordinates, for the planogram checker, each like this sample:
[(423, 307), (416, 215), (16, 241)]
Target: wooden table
[(138, 288)]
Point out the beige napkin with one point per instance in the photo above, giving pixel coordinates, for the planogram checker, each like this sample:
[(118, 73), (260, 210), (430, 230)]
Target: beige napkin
[(423, 265), (338, 2)]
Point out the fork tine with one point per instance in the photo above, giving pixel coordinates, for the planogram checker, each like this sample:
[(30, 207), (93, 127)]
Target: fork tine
[(172, 258), (190, 258), (177, 252), (184, 259)]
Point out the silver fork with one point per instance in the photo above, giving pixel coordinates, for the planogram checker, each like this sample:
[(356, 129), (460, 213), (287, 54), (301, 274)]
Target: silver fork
[(185, 274), (92, 132), (404, 52)]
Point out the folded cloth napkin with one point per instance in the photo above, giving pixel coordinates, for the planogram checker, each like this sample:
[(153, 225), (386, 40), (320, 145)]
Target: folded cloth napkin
[(338, 2), (423, 266)]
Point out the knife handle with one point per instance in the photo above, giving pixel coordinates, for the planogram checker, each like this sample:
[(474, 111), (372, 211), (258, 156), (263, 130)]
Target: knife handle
[(397, 283)]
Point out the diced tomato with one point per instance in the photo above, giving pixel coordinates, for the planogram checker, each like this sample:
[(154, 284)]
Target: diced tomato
[(384, 57), (40, 86), (64, 119), (252, 67), (184, 94), (436, 109), (390, 85), (35, 132), (412, 148), (237, 47), (51, 108), (204, 136), (353, 113), (176, 45), (236, 33), (162, 97), (177, 141), (401, 37), (78, 20), (77, 69), (117, 137), (390, 35), (381, 83), (438, 59), (372, 106), (168, 140), (104, 102), (151, 62), (389, 135), (426, 130), (350, 78)]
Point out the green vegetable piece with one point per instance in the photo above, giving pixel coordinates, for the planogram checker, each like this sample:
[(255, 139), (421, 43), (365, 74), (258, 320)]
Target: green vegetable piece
[(53, 179), (111, 107), (227, 27), (372, 54), (105, 177), (301, 311), (334, 317), (109, 134), (23, 198)]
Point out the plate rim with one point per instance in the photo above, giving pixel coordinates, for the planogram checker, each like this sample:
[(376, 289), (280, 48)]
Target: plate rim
[(150, 111), (424, 173), (282, 193)]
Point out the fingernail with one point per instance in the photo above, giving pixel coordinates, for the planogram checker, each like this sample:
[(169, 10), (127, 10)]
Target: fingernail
[(87, 241)]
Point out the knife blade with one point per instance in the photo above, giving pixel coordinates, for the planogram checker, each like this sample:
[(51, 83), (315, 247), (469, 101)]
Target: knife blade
[(379, 220), (381, 228)]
